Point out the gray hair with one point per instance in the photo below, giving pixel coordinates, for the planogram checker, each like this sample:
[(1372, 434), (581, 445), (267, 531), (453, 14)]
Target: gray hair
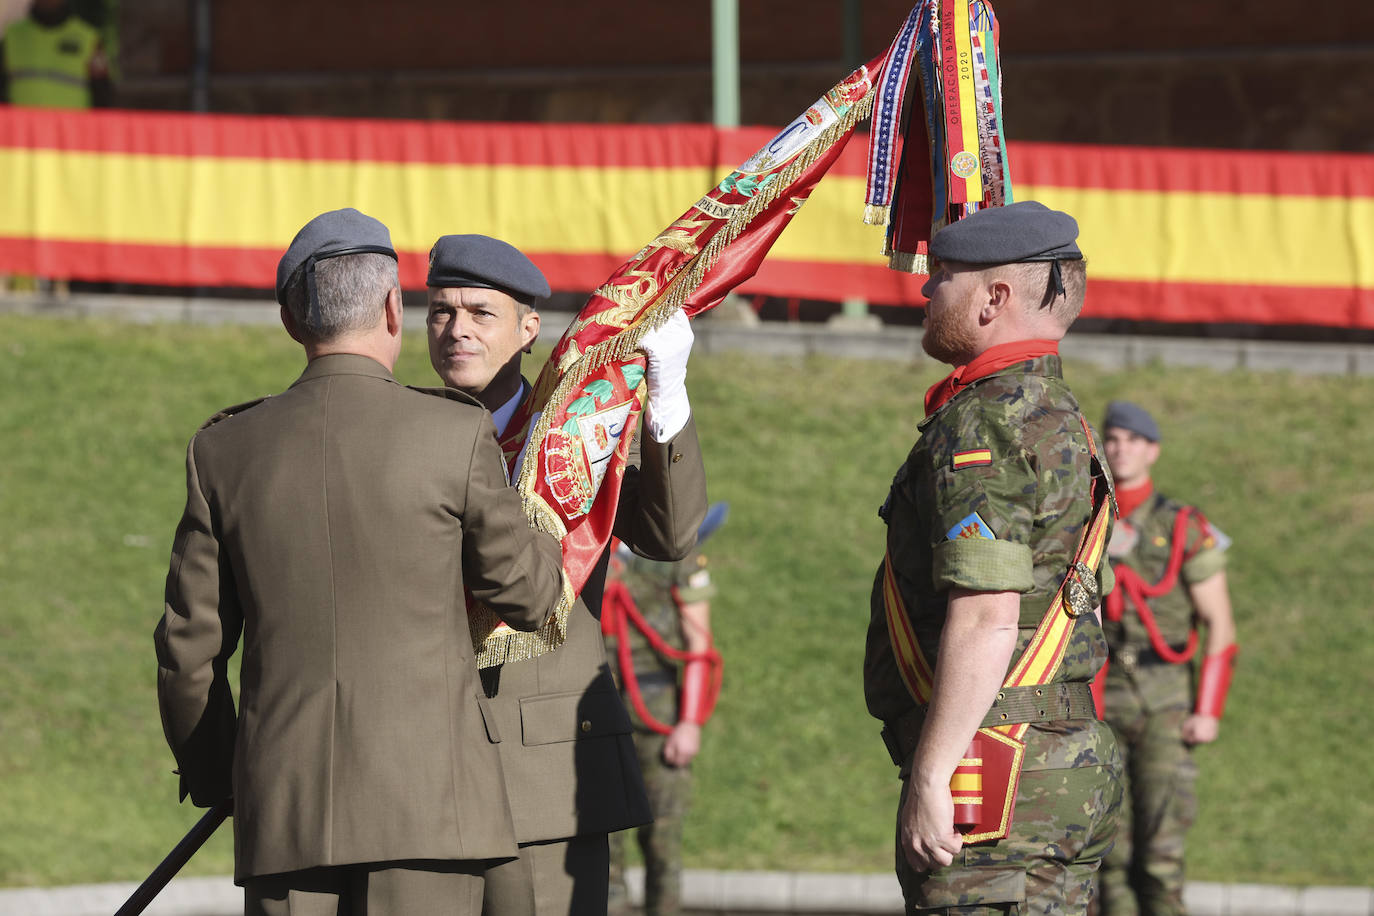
[(350, 290)]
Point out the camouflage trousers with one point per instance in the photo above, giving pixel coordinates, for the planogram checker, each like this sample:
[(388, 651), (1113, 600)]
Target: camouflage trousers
[(1064, 822), (1144, 873), (660, 843)]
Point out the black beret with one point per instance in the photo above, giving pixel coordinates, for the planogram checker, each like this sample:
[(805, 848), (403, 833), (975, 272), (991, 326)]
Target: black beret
[(482, 261), (1131, 417), (329, 235), (1023, 231)]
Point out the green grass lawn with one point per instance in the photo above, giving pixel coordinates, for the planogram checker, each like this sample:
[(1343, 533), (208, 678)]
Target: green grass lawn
[(94, 420)]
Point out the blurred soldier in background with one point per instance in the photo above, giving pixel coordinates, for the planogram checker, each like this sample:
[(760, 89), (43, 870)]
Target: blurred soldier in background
[(1170, 566), (657, 621)]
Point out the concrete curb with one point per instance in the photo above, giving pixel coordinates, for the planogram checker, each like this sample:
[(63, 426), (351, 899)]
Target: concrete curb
[(727, 332), (706, 891)]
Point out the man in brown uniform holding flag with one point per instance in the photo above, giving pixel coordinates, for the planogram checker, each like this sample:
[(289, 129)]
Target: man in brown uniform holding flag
[(995, 531), (565, 740)]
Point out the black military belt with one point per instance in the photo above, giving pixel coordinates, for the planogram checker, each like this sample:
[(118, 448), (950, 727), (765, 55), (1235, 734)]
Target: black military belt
[(1041, 703), (1036, 703), (1132, 658), (657, 678)]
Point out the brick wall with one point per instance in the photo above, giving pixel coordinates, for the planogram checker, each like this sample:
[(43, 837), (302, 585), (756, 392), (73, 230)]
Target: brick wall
[(1166, 72)]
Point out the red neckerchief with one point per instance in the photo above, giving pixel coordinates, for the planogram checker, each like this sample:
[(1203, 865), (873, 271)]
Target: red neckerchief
[(1129, 500), (991, 360)]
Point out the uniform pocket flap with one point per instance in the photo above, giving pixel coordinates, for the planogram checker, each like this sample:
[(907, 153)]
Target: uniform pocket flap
[(489, 720), (950, 887), (570, 716)]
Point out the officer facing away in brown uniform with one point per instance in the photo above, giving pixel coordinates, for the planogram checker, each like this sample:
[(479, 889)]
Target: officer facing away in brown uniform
[(335, 527)]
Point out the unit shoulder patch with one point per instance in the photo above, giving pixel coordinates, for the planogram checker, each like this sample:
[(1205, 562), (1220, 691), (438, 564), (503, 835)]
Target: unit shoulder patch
[(970, 526)]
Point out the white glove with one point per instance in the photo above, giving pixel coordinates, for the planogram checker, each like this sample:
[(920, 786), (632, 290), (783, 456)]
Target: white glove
[(667, 348)]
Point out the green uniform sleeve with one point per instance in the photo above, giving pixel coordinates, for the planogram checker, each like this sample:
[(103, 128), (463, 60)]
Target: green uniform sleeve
[(982, 526), (692, 578), (1204, 565), (1205, 555)]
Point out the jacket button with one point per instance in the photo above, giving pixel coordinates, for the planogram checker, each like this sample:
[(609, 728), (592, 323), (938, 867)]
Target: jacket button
[(677, 457), (586, 725)]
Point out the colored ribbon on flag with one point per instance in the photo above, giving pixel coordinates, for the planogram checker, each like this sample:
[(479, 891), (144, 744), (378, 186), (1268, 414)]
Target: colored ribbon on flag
[(952, 160), (885, 135), (961, 117), (568, 443)]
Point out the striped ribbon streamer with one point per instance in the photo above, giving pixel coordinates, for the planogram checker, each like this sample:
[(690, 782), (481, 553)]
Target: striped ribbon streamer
[(987, 78), (885, 140), (956, 45), (961, 115)]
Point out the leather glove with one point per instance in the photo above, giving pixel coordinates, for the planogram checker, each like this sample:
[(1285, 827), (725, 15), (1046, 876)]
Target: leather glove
[(667, 348)]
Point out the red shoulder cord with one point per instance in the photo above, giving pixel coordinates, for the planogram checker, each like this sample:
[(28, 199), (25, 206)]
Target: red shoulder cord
[(704, 670), (1130, 582)]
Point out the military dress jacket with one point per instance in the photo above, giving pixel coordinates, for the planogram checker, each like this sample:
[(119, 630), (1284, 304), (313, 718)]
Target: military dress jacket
[(334, 527), (1144, 541), (993, 497), (565, 738)]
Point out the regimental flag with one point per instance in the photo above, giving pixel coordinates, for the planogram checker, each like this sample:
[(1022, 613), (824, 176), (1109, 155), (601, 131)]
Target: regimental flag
[(567, 444)]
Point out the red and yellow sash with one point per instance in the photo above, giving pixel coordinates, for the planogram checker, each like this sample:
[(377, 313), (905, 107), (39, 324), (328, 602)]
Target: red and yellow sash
[(984, 784)]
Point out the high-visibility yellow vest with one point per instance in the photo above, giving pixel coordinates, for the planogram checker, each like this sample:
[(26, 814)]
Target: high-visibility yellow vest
[(49, 67)]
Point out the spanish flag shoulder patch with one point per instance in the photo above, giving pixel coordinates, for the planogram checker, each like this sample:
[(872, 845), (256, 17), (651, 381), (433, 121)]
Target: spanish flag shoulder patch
[(972, 458)]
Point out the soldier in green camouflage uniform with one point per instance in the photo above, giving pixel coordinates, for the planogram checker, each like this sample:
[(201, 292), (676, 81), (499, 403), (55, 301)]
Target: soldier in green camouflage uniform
[(983, 520), (674, 599), (1149, 698)]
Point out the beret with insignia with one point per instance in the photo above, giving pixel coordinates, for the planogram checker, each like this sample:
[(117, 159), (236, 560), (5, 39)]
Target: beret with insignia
[(485, 262)]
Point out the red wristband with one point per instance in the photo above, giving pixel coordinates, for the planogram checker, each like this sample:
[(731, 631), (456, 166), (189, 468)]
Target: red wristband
[(1215, 681), (696, 685)]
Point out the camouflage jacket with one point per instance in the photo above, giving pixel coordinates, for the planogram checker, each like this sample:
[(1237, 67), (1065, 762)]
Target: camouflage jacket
[(993, 497), (651, 584), (1144, 541)]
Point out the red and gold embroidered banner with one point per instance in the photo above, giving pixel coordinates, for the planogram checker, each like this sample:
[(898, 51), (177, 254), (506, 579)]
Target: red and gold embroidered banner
[(569, 440), (212, 200)]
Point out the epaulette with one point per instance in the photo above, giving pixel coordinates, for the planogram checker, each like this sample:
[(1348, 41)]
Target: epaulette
[(453, 394), (230, 411)]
